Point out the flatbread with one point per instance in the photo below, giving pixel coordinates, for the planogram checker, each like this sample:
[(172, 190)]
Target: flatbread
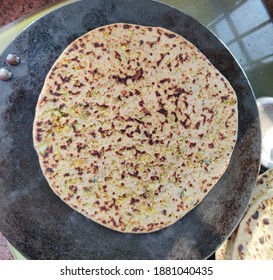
[(134, 126), (252, 239), (255, 233), (224, 252)]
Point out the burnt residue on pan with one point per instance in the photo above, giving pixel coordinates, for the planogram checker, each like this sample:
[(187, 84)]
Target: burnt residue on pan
[(36, 221)]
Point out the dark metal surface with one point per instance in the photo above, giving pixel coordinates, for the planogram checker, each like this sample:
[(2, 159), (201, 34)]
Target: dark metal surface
[(36, 221)]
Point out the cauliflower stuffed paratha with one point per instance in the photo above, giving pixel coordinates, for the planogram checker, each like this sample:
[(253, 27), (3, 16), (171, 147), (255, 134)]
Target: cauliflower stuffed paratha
[(134, 126)]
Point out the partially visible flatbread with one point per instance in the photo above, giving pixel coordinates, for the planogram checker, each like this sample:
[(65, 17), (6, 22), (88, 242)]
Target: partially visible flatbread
[(253, 238), (255, 233), (224, 252), (134, 126)]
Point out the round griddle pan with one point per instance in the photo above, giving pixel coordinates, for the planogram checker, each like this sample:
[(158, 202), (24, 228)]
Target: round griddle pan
[(36, 221)]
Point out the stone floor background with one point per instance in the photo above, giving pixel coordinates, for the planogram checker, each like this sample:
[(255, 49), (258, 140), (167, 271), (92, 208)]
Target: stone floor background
[(11, 10)]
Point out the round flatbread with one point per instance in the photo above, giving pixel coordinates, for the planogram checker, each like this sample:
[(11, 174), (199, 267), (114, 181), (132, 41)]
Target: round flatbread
[(252, 239), (134, 126)]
